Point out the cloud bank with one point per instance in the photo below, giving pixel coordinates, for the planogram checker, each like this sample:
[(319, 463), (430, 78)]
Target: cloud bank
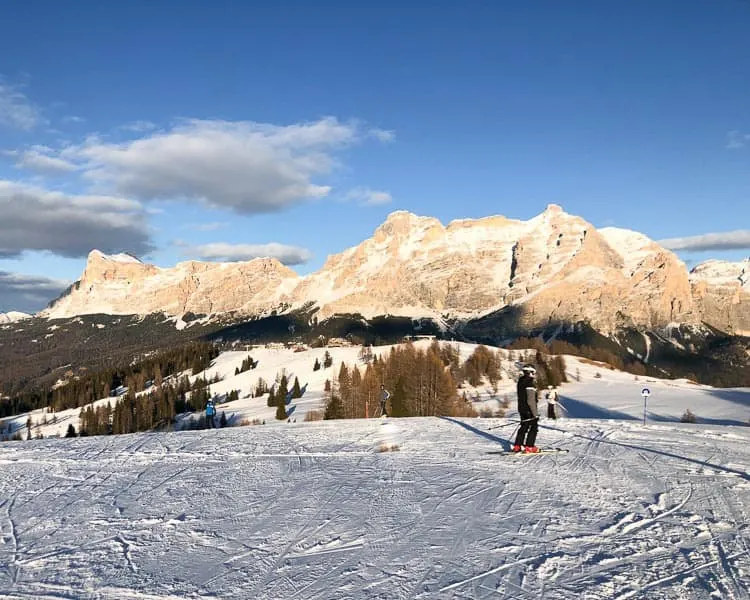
[(219, 251), (34, 218), (730, 240), (28, 293)]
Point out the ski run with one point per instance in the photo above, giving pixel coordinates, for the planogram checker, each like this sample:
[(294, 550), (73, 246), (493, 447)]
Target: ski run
[(392, 508)]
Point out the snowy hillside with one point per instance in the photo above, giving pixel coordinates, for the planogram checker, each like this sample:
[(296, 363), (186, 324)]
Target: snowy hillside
[(313, 510), (13, 316), (601, 392)]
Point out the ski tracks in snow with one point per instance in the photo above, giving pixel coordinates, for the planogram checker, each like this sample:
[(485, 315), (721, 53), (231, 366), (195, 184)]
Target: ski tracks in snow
[(314, 511)]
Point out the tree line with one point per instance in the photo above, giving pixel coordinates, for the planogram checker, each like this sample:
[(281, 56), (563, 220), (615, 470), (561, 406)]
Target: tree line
[(85, 389)]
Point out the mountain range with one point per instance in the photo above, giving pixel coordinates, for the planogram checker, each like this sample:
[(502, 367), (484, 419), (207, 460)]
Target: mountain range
[(555, 267), (492, 280)]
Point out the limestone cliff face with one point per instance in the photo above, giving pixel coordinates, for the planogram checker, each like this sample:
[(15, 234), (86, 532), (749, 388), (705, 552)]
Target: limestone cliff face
[(123, 285), (554, 267), (721, 290)]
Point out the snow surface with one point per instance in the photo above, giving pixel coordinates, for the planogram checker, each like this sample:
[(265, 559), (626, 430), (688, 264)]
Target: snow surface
[(314, 510), (395, 508)]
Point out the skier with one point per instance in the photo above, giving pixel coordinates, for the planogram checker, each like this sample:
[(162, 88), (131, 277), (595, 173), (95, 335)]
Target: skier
[(527, 408), (384, 395), (551, 402), (210, 412)]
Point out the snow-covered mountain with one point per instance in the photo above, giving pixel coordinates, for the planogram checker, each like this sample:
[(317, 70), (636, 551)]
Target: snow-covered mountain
[(553, 267), (13, 316)]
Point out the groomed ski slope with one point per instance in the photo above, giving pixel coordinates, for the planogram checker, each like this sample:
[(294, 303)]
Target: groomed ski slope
[(314, 510)]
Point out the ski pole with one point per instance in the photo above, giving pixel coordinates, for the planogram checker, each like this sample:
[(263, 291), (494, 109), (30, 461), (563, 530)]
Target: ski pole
[(512, 423), (503, 425)]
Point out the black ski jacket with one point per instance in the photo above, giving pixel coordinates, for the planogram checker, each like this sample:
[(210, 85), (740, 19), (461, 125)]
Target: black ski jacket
[(527, 397)]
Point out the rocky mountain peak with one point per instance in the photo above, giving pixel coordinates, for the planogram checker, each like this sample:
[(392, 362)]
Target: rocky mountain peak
[(555, 267)]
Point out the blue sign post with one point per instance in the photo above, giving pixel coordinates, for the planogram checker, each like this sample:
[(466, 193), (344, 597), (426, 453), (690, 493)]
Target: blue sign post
[(645, 392)]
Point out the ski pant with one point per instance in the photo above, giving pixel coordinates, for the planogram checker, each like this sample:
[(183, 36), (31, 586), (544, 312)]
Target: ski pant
[(528, 429), (382, 409), (551, 411)]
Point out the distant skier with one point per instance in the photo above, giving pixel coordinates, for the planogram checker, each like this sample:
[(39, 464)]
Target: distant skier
[(528, 409), (551, 396), (210, 414), (384, 395)]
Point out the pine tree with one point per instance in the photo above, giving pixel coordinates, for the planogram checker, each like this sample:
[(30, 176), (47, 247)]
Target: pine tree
[(281, 400), (398, 400), (296, 391), (223, 420), (316, 366), (71, 431), (283, 390), (334, 409)]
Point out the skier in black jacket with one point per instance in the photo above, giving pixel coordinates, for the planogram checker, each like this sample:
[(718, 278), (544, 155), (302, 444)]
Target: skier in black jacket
[(528, 410)]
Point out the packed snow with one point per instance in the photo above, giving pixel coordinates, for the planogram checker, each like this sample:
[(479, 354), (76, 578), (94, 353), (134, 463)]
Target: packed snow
[(315, 510), (391, 508)]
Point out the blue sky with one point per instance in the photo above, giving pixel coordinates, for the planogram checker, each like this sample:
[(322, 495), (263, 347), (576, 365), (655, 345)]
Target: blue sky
[(213, 129)]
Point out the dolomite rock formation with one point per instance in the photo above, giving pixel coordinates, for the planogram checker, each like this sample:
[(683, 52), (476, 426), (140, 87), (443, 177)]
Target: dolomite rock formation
[(554, 267), (722, 292), (123, 285)]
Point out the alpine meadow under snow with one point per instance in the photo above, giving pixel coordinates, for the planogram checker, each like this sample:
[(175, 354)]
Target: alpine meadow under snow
[(389, 508)]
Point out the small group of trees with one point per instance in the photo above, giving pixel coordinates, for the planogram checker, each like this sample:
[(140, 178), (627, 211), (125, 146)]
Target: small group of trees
[(483, 362), (280, 395), (421, 383), (246, 365), (155, 410), (261, 388), (327, 362), (557, 347)]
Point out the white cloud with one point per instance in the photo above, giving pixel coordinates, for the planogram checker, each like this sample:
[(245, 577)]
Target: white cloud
[(138, 126), (383, 135), (206, 226), (288, 255), (730, 240), (737, 139), (28, 293), (34, 218), (73, 119), (369, 197), (38, 159), (244, 166), (15, 108)]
